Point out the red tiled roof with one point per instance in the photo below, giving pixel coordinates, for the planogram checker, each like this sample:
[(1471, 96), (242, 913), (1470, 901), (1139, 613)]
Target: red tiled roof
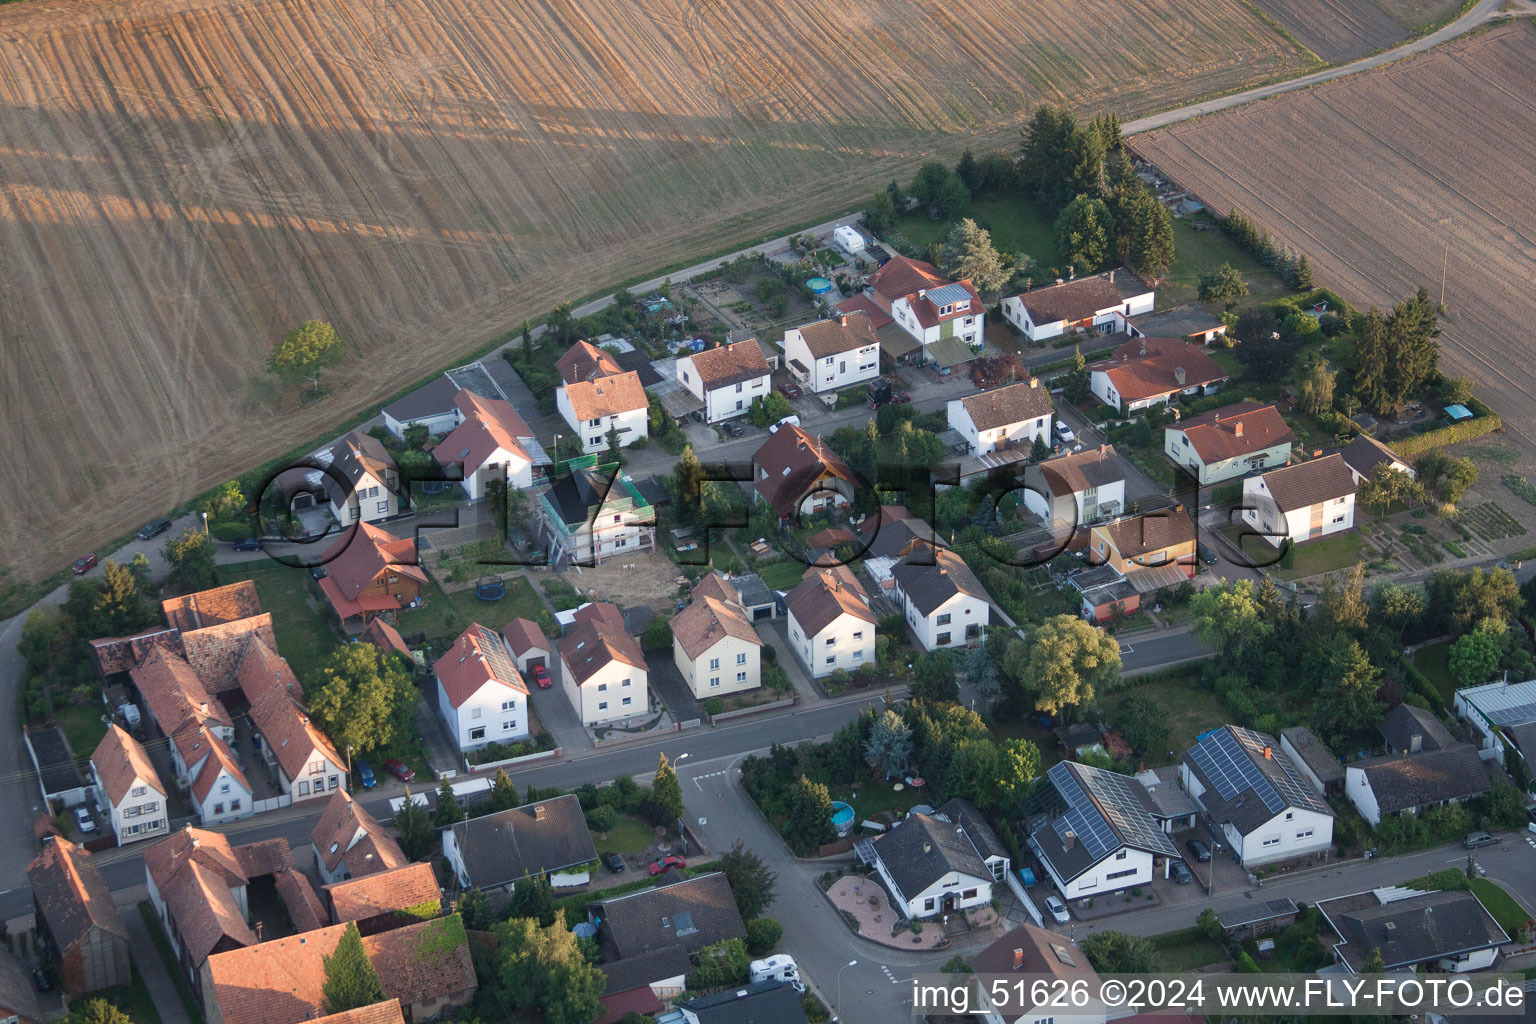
[(489, 425), (222, 759), (822, 597), (1149, 367), (263, 669), (604, 613), (591, 645), (1071, 300), (299, 900), (730, 364), (1305, 484), (71, 894), (794, 462), (477, 658), (204, 910), (357, 558), (347, 832), (636, 1000), (385, 637), (606, 396), (286, 727), (210, 849), (902, 276), (835, 334), (1152, 531), (878, 317), (523, 636), (212, 607), (175, 694), (121, 763), (584, 361), (1235, 430), (706, 621), (357, 899), (387, 1012)]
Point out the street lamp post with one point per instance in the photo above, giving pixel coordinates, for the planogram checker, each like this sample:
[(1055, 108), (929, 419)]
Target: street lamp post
[(850, 963)]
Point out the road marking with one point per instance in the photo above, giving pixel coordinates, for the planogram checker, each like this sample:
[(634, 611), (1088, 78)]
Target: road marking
[(711, 775), (1126, 648), (889, 975)]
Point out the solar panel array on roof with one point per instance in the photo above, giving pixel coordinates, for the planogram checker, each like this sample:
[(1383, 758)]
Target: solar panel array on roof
[(1517, 715), (1104, 811), (1228, 758), (496, 654), (948, 294)]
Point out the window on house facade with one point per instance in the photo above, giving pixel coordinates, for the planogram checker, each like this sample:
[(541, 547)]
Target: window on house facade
[(943, 640), (968, 894), (832, 659), (474, 713), (234, 805), (509, 705), (383, 507), (303, 789), (1272, 841), (943, 620), (627, 701), (625, 683), (741, 659), (602, 705), (477, 733), (1120, 874), (218, 808), (714, 663), (1305, 835), (714, 681), (138, 791), (509, 725)]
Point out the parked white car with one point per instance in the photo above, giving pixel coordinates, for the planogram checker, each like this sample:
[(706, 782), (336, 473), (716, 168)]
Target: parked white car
[(1057, 910), (793, 421), (1064, 433), (84, 820)]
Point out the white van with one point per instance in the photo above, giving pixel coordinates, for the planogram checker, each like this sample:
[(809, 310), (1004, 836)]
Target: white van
[(779, 967)]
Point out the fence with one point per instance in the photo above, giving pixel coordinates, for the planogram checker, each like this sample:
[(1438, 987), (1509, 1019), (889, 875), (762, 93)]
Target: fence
[(1023, 898), (271, 803), (506, 762), (787, 702)]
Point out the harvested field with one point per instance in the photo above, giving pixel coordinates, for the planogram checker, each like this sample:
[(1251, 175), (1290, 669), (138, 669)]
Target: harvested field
[(1381, 175), (1336, 30), (180, 182)]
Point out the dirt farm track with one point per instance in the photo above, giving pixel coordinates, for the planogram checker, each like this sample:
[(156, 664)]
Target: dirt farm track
[(180, 182), (1385, 176)]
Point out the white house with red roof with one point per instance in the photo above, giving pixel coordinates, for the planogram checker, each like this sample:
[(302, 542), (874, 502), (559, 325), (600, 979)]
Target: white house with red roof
[(131, 791), (596, 395), (1150, 371), (488, 442), (726, 378), (926, 304), (834, 353), (1229, 442), (1102, 301), (480, 693)]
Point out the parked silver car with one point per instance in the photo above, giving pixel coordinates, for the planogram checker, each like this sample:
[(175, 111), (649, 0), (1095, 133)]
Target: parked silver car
[(1057, 910)]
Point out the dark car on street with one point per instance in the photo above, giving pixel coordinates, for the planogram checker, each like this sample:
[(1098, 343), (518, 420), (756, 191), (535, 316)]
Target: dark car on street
[(1207, 553), (1199, 850), (365, 775), (249, 544), (154, 528), (733, 430), (1181, 873)]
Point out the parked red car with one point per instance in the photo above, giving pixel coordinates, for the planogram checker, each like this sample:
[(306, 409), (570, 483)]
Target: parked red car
[(399, 769), (84, 564), (789, 390), (541, 677), (671, 860)]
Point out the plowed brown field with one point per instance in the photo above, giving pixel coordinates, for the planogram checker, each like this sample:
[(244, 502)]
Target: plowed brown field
[(1383, 175), (182, 181), (1336, 30)]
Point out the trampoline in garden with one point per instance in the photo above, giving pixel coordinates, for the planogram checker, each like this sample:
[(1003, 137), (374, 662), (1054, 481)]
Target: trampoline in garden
[(493, 591)]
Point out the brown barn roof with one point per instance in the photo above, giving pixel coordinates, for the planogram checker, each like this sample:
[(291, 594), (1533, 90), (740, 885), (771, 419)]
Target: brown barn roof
[(263, 669), (591, 645), (71, 894), (385, 637), (523, 635), (842, 333), (1235, 430), (1004, 407), (1304, 484), (121, 762), (299, 900), (730, 364), (1095, 467), (793, 462), (489, 425), (902, 276), (822, 597), (357, 899), (174, 693), (1153, 531), (212, 607), (708, 620), (287, 728), (354, 561), (347, 832), (585, 361), (1071, 300)]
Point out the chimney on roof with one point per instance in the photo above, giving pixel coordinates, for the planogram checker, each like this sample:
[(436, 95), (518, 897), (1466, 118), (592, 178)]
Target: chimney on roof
[(1269, 753), (1237, 428), (1416, 742), (1034, 382), (1178, 375), (842, 320), (1018, 958), (927, 847), (1069, 840), (539, 812), (922, 292), (1110, 277)]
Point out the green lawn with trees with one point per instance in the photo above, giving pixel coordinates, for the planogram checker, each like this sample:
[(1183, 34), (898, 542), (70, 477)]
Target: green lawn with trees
[(305, 635)]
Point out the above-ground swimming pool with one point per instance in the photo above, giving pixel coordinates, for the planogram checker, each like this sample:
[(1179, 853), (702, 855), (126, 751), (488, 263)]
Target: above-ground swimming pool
[(842, 817)]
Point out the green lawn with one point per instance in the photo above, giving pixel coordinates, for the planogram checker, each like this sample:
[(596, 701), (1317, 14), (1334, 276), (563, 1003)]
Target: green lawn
[(444, 615), (1017, 225), (304, 636), (133, 999), (82, 726), (783, 574), (1434, 662), (1187, 950), (1191, 711), (1324, 555), (630, 835), (1510, 915), (871, 798), (1200, 252)]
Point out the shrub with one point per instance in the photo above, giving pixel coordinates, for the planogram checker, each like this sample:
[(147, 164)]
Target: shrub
[(762, 935), (714, 706), (602, 819)]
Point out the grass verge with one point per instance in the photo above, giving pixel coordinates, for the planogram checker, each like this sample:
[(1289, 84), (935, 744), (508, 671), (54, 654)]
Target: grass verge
[(1188, 949)]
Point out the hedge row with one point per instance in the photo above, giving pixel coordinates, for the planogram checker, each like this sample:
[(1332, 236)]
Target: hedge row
[(1452, 433)]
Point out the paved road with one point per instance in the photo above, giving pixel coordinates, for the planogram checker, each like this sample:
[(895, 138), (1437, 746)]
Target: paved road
[(1482, 11)]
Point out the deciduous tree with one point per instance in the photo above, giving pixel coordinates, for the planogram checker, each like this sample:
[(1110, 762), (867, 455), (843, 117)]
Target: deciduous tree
[(364, 699), (1474, 656), (191, 558), (1315, 393), (544, 969), (1222, 284), (1071, 662), (1230, 619), (1113, 952), (305, 351), (880, 214)]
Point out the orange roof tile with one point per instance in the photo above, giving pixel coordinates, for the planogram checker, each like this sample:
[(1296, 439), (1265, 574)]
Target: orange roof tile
[(347, 832), (222, 759), (1148, 367), (489, 425), (708, 620), (523, 636), (356, 899), (590, 646), (175, 694), (476, 659), (585, 361), (362, 553), (121, 763), (606, 396), (1235, 430), (286, 727), (304, 908), (730, 364)]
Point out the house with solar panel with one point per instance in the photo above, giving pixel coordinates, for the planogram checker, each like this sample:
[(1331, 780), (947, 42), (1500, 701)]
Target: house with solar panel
[(480, 694), (1100, 834), (1500, 717), (1254, 797)]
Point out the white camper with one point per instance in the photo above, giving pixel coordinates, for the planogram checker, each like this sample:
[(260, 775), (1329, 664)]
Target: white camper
[(779, 967)]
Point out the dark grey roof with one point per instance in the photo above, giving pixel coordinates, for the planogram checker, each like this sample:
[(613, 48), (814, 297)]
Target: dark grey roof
[(1078, 734), (1313, 753), (500, 848), (1168, 801), (1406, 723), (1411, 930), (434, 399), (1524, 736), (1402, 781), (894, 537), (644, 968), (58, 769), (921, 850), (766, 1002), (639, 362), (1253, 913), (1178, 322), (577, 493), (754, 592), (654, 491), (1365, 453), (693, 914), (929, 579), (637, 618), (964, 813), (1104, 812), (1248, 779)]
